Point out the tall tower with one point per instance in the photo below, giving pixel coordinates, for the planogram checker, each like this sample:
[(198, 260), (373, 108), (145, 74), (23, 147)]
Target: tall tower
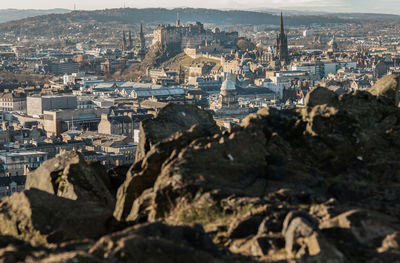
[(282, 50), (178, 21), (123, 41), (130, 40), (142, 39), (142, 50)]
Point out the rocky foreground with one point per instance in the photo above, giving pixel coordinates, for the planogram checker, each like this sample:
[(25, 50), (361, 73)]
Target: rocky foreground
[(317, 184)]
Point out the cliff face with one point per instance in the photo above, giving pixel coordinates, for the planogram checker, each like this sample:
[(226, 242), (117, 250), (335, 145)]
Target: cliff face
[(317, 184)]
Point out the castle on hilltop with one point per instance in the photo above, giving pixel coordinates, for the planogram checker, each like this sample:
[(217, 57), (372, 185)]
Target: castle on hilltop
[(192, 36)]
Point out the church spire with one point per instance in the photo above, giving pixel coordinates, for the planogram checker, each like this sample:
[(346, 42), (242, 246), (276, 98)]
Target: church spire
[(130, 40), (123, 41), (142, 39)]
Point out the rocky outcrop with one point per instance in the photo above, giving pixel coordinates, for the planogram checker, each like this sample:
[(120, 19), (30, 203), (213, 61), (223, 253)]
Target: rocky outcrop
[(38, 216), (314, 184), (69, 176)]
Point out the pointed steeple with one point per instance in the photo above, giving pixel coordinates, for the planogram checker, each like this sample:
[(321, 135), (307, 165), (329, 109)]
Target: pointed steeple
[(130, 40), (123, 41), (142, 39)]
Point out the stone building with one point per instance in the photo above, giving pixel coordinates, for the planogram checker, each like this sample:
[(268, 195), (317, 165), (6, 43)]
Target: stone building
[(36, 105), (19, 163), (118, 125), (12, 102), (11, 184)]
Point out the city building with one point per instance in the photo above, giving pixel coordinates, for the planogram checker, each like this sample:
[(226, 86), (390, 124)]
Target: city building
[(20, 163), (36, 105), (12, 101)]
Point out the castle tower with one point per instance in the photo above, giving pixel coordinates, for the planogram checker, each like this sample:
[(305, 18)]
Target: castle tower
[(282, 50)]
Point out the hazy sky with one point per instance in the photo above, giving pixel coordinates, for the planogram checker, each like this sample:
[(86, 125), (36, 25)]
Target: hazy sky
[(386, 6)]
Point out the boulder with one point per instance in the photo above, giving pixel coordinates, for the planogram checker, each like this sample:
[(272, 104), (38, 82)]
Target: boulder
[(299, 227), (143, 174), (68, 175), (171, 119), (38, 216), (387, 89), (156, 242), (367, 227), (245, 226), (321, 96)]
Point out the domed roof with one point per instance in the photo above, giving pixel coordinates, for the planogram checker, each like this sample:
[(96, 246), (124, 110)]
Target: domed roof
[(228, 84)]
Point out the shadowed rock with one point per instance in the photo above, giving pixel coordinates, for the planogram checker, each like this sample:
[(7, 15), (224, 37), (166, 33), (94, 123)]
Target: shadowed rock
[(34, 215), (69, 176), (387, 89)]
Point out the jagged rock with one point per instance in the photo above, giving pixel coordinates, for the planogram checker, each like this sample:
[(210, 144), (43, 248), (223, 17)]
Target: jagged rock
[(143, 174), (366, 227), (326, 210), (246, 226), (35, 215), (235, 164), (171, 119), (117, 176), (321, 96), (302, 240), (271, 223), (258, 246), (309, 220), (14, 250), (298, 227), (317, 249), (157, 242), (71, 257), (69, 176), (387, 89)]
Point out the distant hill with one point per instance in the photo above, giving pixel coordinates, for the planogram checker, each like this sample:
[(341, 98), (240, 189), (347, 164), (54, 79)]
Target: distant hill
[(7, 15), (55, 24), (163, 16)]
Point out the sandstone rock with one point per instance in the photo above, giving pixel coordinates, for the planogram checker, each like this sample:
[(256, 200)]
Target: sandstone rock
[(257, 246), (38, 216), (156, 243), (69, 176), (366, 227), (302, 240), (71, 257), (171, 119), (143, 175), (244, 227), (14, 250), (321, 96), (309, 220), (391, 241), (298, 227), (387, 89)]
